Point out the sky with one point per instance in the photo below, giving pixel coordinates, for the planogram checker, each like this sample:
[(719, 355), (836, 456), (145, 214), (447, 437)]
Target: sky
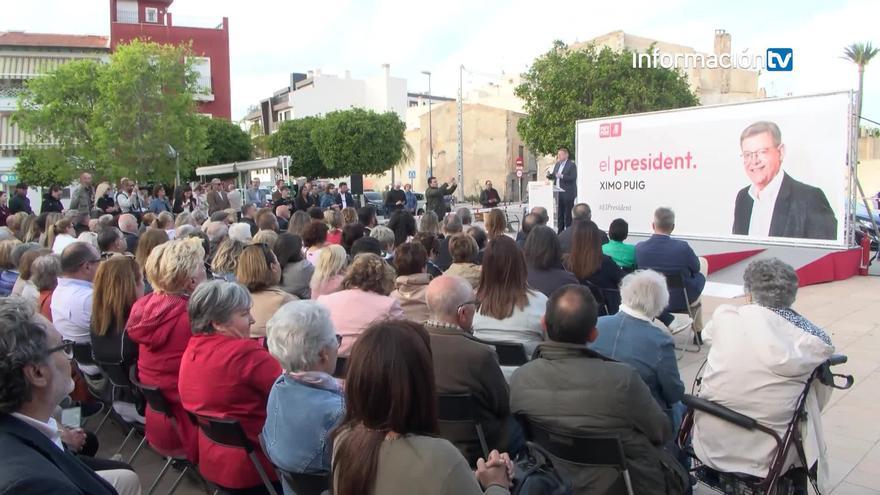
[(269, 39)]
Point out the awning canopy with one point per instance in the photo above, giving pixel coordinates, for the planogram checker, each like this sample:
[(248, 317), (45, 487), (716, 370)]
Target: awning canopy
[(24, 67), (235, 167)]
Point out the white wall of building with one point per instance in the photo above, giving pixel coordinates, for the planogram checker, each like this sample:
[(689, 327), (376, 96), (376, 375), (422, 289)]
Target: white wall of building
[(380, 93)]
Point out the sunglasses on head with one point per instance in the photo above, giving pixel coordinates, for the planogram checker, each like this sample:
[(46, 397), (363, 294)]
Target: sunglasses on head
[(267, 252)]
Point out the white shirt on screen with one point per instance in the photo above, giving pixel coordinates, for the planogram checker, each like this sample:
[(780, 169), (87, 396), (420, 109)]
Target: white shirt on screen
[(762, 208)]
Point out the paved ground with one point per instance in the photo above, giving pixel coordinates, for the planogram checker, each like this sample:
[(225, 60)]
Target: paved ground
[(848, 309)]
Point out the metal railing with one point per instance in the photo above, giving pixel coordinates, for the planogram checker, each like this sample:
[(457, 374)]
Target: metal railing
[(127, 16)]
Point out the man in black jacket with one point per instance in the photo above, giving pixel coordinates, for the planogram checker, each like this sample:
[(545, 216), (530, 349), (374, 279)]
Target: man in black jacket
[(395, 199), (344, 198), (20, 201), (489, 197), (775, 204), (564, 176), (34, 379), (52, 201)]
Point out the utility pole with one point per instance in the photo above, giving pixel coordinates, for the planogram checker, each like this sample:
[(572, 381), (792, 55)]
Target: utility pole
[(430, 128), (460, 159)]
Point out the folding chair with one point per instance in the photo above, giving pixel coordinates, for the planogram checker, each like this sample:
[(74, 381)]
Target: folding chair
[(156, 401), (585, 450), (455, 411), (675, 283), (341, 367), (118, 376), (509, 353), (82, 354), (229, 433), (301, 484)]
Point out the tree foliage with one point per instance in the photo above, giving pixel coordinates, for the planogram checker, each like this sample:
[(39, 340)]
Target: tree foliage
[(226, 142), (294, 138), (115, 119), (564, 85), (359, 141)]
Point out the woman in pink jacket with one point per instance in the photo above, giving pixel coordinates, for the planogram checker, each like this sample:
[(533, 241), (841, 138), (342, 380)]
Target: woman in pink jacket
[(364, 298)]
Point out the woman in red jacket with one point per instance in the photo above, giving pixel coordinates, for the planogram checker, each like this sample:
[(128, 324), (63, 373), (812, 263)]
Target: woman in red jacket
[(158, 323), (225, 374)]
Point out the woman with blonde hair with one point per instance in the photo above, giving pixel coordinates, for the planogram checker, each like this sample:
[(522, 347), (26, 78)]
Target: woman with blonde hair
[(333, 219), (165, 221), (226, 259), (48, 221), (30, 230), (258, 270), (349, 216), (9, 273), (429, 223), (159, 324), (496, 223), (329, 271), (297, 222), (60, 234), (119, 283), (268, 237), (364, 298)]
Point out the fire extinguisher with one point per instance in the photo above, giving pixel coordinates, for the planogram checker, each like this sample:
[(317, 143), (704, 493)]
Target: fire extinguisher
[(866, 254)]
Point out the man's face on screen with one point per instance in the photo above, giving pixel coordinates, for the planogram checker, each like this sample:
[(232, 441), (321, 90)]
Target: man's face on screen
[(762, 159)]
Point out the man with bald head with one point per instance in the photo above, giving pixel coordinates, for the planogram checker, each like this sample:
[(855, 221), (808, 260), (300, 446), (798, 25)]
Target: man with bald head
[(569, 387), (84, 197), (128, 224), (463, 365)]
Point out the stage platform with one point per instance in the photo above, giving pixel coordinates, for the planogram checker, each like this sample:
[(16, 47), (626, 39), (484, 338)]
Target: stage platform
[(728, 260)]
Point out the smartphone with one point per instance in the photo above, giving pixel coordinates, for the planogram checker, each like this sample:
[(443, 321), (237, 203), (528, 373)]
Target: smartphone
[(71, 417)]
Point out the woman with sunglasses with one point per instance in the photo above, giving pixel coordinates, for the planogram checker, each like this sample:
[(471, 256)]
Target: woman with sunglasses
[(306, 402), (225, 374), (258, 270)]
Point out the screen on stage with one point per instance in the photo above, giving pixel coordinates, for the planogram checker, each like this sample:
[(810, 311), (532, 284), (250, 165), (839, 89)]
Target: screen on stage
[(769, 170)]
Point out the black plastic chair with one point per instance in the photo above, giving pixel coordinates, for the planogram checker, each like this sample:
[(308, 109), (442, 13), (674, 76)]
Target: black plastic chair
[(229, 433), (341, 367), (585, 450), (82, 355), (675, 283), (301, 484), (455, 411), (157, 402), (509, 353), (118, 375)]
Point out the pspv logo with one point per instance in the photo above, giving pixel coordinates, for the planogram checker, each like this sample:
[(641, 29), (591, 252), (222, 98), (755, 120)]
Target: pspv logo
[(780, 59)]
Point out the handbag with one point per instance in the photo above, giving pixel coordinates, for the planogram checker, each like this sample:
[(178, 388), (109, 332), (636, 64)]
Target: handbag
[(534, 474)]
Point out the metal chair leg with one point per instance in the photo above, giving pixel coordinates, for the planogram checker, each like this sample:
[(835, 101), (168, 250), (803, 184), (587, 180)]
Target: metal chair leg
[(124, 441), (177, 481), (262, 473), (137, 450), (159, 478), (104, 418)]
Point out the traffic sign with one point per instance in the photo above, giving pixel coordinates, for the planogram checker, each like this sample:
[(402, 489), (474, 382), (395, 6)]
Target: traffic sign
[(8, 178), (411, 174), (519, 163), (519, 173)]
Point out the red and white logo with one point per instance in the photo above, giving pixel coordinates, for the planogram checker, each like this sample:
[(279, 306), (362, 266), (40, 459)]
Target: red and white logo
[(611, 129)]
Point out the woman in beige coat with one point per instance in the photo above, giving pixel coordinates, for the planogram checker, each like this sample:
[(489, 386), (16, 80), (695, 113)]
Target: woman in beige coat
[(258, 270), (463, 249), (412, 280)]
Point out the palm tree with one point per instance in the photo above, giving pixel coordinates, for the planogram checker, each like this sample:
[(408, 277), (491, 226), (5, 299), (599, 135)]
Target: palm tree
[(860, 54)]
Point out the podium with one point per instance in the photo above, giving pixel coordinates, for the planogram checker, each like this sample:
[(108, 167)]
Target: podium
[(544, 193)]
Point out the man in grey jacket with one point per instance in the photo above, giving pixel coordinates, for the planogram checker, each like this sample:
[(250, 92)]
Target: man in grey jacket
[(84, 198), (569, 388)]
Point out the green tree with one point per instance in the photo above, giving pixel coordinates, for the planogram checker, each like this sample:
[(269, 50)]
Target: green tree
[(58, 109), (294, 138), (360, 141), (116, 119), (147, 103), (226, 142), (565, 85)]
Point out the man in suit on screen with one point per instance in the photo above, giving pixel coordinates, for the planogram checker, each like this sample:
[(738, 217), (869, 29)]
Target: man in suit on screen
[(775, 204)]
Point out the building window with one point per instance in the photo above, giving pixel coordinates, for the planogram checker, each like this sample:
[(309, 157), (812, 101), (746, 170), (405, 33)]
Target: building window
[(151, 15), (202, 67)]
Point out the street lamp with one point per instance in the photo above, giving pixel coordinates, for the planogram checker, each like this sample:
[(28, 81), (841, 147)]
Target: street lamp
[(430, 128), (174, 154)]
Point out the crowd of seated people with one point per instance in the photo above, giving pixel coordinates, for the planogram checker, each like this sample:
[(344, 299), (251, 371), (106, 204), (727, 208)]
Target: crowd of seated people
[(244, 316)]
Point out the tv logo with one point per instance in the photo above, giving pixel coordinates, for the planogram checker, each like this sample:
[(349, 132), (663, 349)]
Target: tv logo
[(611, 129), (780, 59)]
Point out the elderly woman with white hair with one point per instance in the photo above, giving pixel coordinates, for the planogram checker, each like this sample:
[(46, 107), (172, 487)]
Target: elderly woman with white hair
[(224, 374), (761, 357), (631, 336), (306, 402)]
